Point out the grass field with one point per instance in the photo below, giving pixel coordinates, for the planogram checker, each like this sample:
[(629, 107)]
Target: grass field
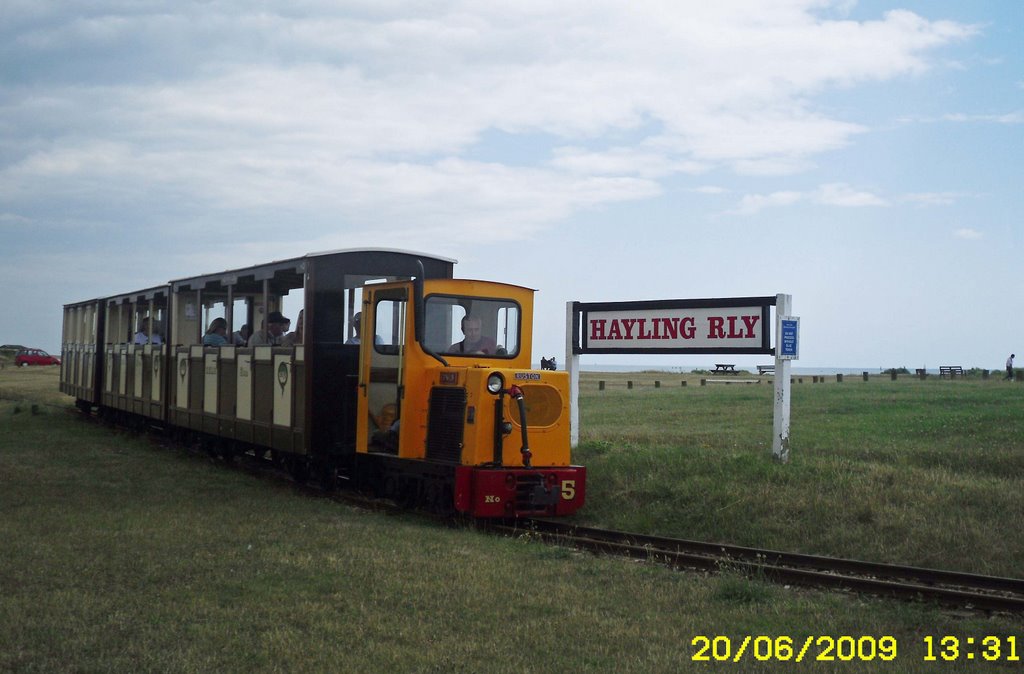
[(120, 554), (928, 472)]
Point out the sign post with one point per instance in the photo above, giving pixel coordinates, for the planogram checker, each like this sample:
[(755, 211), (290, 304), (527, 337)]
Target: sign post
[(572, 366), (787, 349)]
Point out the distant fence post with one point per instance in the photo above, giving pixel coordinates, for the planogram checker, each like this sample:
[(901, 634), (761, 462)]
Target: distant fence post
[(600, 385), (629, 384), (839, 378), (893, 375), (865, 376), (657, 384)]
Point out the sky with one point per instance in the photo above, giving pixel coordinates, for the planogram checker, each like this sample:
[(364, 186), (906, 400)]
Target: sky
[(864, 157)]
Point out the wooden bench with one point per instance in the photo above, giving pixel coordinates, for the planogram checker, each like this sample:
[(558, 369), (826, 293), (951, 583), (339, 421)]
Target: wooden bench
[(765, 369), (725, 368), (951, 371)]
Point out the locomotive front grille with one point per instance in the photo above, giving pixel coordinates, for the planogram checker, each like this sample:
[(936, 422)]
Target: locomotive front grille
[(446, 423)]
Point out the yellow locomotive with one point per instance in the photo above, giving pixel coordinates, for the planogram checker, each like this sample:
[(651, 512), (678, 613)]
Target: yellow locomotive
[(396, 379)]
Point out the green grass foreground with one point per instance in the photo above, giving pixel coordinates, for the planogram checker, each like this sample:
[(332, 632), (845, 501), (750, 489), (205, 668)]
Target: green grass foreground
[(926, 473), (120, 555)]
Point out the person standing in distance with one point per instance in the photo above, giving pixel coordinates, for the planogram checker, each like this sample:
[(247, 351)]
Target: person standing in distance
[(1009, 366)]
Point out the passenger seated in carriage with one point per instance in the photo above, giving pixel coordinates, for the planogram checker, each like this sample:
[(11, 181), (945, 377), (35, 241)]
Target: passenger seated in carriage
[(216, 334), (276, 325)]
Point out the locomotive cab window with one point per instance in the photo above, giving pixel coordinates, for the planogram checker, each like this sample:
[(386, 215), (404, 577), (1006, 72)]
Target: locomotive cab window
[(459, 326), (389, 325)]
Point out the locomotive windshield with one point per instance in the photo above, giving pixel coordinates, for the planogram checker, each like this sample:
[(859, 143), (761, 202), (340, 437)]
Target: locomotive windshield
[(462, 326)]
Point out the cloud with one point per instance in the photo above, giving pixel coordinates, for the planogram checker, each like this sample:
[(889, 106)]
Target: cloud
[(623, 161), (840, 194), (371, 112), (1015, 117), (967, 233), (13, 220), (831, 194), (933, 198), (755, 203)]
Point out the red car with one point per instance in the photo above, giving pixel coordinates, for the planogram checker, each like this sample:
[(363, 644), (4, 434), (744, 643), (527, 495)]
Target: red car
[(28, 357)]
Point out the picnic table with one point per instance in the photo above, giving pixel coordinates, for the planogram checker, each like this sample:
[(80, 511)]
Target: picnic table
[(725, 368)]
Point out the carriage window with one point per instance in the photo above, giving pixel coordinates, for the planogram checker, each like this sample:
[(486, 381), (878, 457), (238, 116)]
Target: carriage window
[(472, 325)]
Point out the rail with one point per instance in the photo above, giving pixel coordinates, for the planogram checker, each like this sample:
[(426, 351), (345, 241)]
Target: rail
[(952, 588)]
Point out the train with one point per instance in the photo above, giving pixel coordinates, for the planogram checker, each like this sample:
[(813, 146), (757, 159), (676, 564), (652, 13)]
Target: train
[(398, 379)]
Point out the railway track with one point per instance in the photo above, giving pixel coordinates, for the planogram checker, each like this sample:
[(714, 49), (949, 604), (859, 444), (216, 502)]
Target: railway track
[(950, 588)]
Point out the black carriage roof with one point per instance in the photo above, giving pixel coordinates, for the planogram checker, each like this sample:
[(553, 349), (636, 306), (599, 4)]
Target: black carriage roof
[(290, 271), (144, 295)]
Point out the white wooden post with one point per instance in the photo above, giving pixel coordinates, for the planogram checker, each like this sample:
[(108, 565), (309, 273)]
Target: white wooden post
[(572, 366), (780, 439)]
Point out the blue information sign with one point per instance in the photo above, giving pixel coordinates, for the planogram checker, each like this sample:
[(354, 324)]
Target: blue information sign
[(789, 340)]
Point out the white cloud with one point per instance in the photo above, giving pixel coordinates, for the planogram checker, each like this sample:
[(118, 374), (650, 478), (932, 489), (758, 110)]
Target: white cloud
[(373, 113), (1015, 117), (13, 220), (832, 194), (623, 161), (840, 194), (933, 198), (754, 203), (967, 233)]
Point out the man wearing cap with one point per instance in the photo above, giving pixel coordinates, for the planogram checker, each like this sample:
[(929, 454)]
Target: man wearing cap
[(276, 324)]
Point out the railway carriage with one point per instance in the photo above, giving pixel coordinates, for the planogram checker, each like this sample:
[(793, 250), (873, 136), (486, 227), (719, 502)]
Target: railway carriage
[(399, 408)]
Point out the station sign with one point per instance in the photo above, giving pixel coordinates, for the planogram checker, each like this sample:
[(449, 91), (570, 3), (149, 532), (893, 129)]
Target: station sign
[(732, 325)]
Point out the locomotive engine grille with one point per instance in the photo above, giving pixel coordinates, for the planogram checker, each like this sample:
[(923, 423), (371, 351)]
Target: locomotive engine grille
[(446, 423)]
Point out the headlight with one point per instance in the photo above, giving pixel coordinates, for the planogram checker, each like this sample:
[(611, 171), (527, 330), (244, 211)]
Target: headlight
[(495, 383)]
